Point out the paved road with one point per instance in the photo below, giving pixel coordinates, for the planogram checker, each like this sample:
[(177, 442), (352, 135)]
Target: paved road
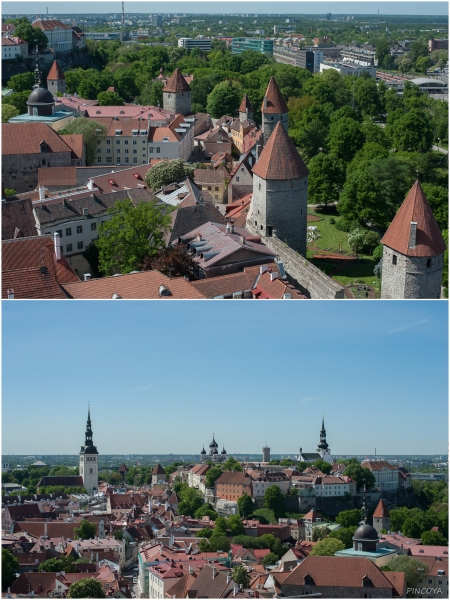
[(442, 150)]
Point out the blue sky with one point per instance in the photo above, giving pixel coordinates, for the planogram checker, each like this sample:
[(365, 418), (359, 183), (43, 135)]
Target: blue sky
[(217, 6), (163, 376)]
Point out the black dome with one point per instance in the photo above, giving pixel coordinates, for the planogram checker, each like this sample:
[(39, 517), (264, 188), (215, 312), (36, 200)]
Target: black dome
[(40, 96), (366, 532)]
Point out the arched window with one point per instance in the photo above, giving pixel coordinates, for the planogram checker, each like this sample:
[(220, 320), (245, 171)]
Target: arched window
[(35, 111), (43, 161), (394, 259)]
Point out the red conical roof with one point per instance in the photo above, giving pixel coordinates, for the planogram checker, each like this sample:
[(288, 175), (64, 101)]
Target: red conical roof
[(381, 511), (158, 470), (55, 72), (275, 101), (245, 104), (280, 158), (177, 83), (415, 209)]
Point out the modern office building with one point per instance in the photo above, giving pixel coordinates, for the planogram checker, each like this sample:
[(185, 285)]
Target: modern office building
[(190, 43), (256, 44)]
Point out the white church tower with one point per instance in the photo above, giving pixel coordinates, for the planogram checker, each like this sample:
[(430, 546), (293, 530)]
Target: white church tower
[(322, 448), (89, 460)]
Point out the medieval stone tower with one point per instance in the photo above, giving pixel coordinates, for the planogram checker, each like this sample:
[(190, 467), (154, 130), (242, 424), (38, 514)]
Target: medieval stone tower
[(89, 460), (381, 517), (245, 110), (274, 109), (56, 80), (177, 94), (413, 253), (280, 192)]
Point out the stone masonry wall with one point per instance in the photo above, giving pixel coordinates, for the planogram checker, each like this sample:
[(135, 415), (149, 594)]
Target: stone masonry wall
[(304, 274), (282, 205), (411, 277), (20, 172), (270, 120), (179, 102)]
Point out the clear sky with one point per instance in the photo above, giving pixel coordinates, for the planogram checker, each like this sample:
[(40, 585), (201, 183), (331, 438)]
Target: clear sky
[(218, 6), (164, 376)]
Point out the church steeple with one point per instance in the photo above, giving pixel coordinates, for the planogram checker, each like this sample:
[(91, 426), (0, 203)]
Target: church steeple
[(323, 437), (88, 439)]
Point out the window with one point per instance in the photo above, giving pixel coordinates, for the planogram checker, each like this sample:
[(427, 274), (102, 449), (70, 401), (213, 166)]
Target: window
[(269, 232), (428, 262), (93, 226), (79, 228), (209, 187), (259, 186), (109, 159), (126, 142), (135, 160), (134, 142), (143, 141), (108, 142), (118, 151), (99, 150), (126, 150), (150, 150), (59, 232), (134, 151), (68, 231), (158, 149), (108, 151), (242, 169), (216, 189), (394, 259), (117, 142), (127, 160), (80, 245), (237, 178), (99, 159), (69, 248)]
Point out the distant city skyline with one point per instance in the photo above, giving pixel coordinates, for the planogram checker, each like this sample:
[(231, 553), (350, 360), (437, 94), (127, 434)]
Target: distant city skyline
[(162, 377), (217, 7)]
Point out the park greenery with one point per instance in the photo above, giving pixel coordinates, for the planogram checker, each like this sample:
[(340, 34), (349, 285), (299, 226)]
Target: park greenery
[(86, 588), (30, 476), (10, 566)]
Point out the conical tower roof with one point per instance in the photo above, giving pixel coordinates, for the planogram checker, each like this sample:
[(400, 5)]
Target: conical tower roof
[(245, 104), (381, 511), (273, 102), (280, 158), (415, 209), (177, 83), (55, 72)]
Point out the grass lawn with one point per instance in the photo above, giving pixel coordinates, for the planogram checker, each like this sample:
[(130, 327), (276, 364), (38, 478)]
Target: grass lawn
[(361, 270)]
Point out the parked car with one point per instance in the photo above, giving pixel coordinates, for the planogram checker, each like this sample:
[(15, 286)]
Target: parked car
[(135, 579)]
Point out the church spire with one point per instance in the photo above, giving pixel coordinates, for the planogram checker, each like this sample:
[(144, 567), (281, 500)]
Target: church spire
[(37, 73), (88, 439), (323, 436)]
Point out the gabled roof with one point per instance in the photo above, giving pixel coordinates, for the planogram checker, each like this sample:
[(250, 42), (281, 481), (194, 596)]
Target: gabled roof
[(177, 83), (158, 470), (415, 209), (25, 138), (49, 24), (381, 511), (245, 104), (280, 159), (187, 218), (55, 72), (17, 219), (273, 102)]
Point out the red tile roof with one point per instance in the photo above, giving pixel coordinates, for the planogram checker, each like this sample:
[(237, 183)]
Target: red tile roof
[(275, 101), (280, 158), (177, 83), (378, 465), (245, 104), (24, 138), (48, 176), (158, 470), (381, 511), (30, 268), (133, 286), (55, 72), (415, 209), (75, 143), (49, 25)]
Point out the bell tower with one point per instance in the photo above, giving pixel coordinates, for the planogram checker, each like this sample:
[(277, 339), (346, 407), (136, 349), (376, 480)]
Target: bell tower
[(323, 448), (89, 460)]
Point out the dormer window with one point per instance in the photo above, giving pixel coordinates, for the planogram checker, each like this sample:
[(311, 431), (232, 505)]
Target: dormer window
[(308, 580), (366, 582), (43, 147)]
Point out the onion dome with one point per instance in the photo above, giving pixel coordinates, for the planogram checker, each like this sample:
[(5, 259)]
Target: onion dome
[(223, 451), (203, 451), (366, 532), (40, 96)]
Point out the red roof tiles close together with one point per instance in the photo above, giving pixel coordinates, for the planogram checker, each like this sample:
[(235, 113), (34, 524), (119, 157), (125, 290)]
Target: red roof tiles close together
[(177, 83), (273, 102), (55, 72)]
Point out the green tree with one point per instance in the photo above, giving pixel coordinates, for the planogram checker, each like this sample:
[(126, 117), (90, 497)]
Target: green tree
[(367, 97), (92, 132), (86, 588), (206, 532), (423, 63), (274, 499), (356, 240), (216, 543), (133, 233), (433, 538), (412, 132), (19, 100), (10, 566), (265, 516), (245, 505), (225, 99), (115, 478), (54, 565), (32, 35), (118, 534), (437, 197), (326, 178), (269, 559), (235, 526), (110, 99), (371, 241), (361, 201), (418, 48), (241, 576), (382, 48), (212, 475), (85, 530), (8, 112), (220, 527), (345, 534), (323, 466), (167, 171), (319, 533), (414, 569), (346, 138), (207, 510), (311, 137), (21, 82), (349, 518), (327, 547), (404, 64)]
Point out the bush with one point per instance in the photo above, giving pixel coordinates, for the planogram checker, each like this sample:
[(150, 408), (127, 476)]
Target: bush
[(333, 221)]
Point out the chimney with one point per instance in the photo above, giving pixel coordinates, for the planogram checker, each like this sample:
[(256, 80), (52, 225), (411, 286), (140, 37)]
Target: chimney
[(228, 228), (90, 183), (412, 235), (11, 294), (42, 191), (228, 578), (214, 572), (232, 228), (274, 275), (57, 246), (87, 276), (263, 269), (166, 506)]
